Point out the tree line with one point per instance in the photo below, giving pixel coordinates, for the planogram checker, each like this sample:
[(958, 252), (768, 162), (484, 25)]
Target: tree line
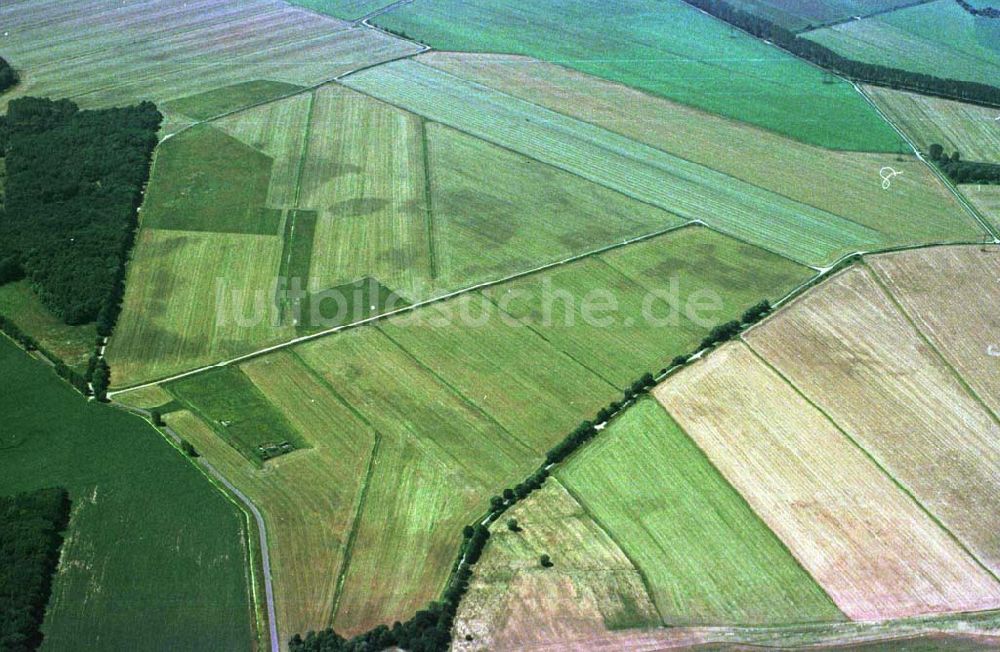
[(8, 76), (967, 91), (31, 526), (430, 629), (988, 12), (961, 171), (74, 180)]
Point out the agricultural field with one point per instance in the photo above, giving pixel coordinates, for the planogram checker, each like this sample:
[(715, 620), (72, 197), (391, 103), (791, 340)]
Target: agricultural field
[(456, 402), (665, 47), (692, 191), (73, 344), (705, 556), (950, 295), (513, 603), (969, 129), (797, 15), (896, 397), (497, 212), (936, 38), (871, 547), (917, 208), (199, 53), (986, 199), (139, 510), (368, 184), (309, 497), (346, 9), (664, 293)]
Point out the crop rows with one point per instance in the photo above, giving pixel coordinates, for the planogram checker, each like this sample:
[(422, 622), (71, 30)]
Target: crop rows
[(692, 191)]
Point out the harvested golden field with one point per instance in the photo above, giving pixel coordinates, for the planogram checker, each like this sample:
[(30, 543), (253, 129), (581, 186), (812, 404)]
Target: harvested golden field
[(970, 129), (916, 207), (951, 293), (308, 497), (513, 603), (364, 173), (867, 543), (893, 394), (192, 298)]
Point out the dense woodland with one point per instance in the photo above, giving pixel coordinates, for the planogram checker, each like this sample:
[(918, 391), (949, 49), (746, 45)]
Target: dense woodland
[(8, 76), (859, 71), (73, 182), (30, 536)]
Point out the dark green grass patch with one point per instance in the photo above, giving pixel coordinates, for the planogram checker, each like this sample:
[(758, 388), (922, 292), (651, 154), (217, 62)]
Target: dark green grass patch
[(227, 99), (208, 181), (346, 304), (296, 259), (239, 412), (153, 558), (346, 9)]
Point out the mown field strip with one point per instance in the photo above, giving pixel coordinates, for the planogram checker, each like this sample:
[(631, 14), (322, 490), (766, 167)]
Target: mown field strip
[(873, 549), (917, 207), (706, 556), (364, 174), (893, 395), (693, 191)]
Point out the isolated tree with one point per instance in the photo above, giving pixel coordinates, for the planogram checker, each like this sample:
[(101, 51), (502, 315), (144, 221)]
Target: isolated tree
[(512, 525), (157, 417), (188, 448), (545, 561)]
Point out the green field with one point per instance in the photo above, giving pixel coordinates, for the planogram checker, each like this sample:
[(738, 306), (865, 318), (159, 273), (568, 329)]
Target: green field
[(706, 557), (686, 269), (462, 401), (73, 344), (241, 415), (208, 181), (662, 46), (202, 106), (798, 15), (497, 212), (154, 555), (938, 38), (690, 190)]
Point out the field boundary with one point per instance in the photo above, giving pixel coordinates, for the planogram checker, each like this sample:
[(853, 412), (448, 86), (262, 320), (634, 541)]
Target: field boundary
[(596, 521), (457, 393), (871, 458), (926, 340), (345, 562)]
